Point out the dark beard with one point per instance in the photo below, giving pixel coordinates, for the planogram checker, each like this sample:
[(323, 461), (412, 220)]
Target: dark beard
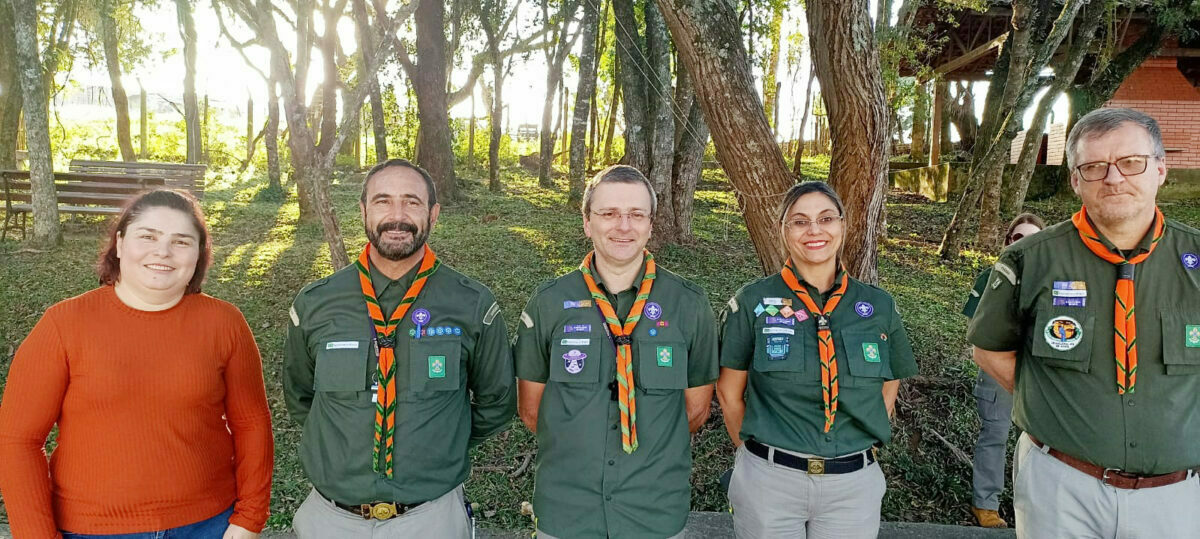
[(401, 250)]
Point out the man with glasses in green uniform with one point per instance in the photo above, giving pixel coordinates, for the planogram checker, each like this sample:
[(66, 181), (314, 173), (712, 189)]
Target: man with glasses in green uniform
[(1108, 394), (615, 362), (393, 367)]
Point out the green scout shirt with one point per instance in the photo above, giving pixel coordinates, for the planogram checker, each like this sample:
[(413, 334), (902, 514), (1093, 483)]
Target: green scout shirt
[(1051, 300), (586, 485), (330, 364), (784, 403), (976, 293)]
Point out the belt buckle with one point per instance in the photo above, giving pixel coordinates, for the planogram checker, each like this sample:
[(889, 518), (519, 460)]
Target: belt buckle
[(816, 466), (1104, 475), (381, 511)]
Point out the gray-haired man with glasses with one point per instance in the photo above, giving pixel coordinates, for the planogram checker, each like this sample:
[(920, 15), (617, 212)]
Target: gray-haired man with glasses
[(1096, 325)]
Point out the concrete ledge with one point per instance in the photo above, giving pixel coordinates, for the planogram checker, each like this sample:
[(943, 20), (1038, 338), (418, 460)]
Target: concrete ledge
[(712, 525)]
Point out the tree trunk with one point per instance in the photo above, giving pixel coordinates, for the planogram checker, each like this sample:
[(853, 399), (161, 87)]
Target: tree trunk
[(143, 123), (471, 134), (191, 107), (272, 135), (770, 88), (585, 93), (610, 125), (555, 59), (662, 149), (249, 127), (920, 127), (46, 229), (961, 113), (111, 39), (328, 45), (435, 149), (707, 35), (10, 94), (494, 120), (692, 138), (812, 75), (367, 47), (633, 85), (852, 87)]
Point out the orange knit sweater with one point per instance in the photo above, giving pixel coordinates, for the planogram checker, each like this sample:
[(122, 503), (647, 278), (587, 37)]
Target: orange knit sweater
[(162, 419)]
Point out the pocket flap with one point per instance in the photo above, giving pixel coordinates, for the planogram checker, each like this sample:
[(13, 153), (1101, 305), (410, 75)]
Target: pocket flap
[(341, 365), (434, 363), (575, 362), (662, 365), (867, 354), (1064, 341), (1181, 343)]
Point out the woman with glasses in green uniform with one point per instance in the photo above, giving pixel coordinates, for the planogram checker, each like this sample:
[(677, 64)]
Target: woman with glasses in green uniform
[(811, 360)]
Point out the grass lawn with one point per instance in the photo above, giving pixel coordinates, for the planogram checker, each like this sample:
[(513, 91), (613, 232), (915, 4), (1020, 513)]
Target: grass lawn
[(514, 242)]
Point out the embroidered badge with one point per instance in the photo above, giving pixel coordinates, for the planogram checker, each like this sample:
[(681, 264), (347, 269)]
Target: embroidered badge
[(759, 310), (653, 332), (801, 315), (1069, 289), (342, 345), (437, 366), (871, 352), (778, 331), (1007, 272), (778, 302), (1063, 333), (733, 305), (577, 328), (575, 342), (653, 311), (525, 319), (1193, 337), (420, 317), (662, 323), (864, 309), (573, 361), (578, 304), (458, 331), (786, 312), (296, 318), (1070, 302), (781, 320), (777, 347), (771, 310), (664, 356), (491, 314), (1190, 260)]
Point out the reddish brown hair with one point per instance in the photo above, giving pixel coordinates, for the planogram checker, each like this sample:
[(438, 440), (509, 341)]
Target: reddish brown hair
[(108, 268), (1024, 218)]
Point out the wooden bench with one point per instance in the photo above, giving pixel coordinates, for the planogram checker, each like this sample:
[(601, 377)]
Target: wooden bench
[(177, 176), (77, 193)]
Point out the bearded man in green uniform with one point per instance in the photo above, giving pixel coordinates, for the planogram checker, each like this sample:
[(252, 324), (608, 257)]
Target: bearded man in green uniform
[(393, 367), (615, 363), (1108, 394)]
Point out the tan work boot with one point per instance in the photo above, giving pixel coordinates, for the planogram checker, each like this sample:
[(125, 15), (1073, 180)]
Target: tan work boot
[(988, 518)]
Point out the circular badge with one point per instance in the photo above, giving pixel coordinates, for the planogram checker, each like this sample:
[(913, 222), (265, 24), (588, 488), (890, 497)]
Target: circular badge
[(653, 332), (421, 317), (653, 311), (1190, 260), (573, 361), (1063, 333), (864, 309)]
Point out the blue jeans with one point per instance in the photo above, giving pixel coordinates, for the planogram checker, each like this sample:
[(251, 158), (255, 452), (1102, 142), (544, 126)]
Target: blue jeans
[(211, 528)]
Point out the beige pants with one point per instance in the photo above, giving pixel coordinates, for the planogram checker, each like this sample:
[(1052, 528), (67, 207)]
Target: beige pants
[(543, 535), (445, 517), (1052, 499), (773, 501)]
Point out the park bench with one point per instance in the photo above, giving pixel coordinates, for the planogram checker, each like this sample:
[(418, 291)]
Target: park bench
[(177, 176), (77, 193)]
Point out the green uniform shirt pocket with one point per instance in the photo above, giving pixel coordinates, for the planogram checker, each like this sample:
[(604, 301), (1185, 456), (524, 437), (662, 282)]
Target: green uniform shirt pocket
[(341, 367), (780, 353), (867, 357), (575, 360), (662, 365), (1181, 343), (1064, 341), (434, 363)]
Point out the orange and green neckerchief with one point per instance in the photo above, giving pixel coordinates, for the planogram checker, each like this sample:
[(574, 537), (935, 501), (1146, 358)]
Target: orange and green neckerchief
[(1124, 319), (829, 369), (385, 339), (622, 337)]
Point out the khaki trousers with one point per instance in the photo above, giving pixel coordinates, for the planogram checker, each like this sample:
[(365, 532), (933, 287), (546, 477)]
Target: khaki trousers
[(444, 517), (1052, 499), (773, 501)]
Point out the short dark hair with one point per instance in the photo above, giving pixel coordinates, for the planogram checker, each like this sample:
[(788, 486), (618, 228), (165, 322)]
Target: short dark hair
[(618, 174), (1103, 121), (1024, 218), (801, 189), (108, 267), (402, 163)]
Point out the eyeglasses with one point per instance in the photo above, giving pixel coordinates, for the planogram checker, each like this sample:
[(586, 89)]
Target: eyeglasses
[(825, 221), (1130, 165), (636, 217)]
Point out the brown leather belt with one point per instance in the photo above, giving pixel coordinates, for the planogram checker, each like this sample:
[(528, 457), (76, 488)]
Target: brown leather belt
[(1113, 476)]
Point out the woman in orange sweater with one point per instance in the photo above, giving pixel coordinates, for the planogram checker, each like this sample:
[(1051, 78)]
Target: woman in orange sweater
[(157, 392)]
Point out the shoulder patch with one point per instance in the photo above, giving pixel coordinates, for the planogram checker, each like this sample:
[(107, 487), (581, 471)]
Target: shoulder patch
[(295, 317), (733, 304), (1007, 272), (491, 314), (525, 319)]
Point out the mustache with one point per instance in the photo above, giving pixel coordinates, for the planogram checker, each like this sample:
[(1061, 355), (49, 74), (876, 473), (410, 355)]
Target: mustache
[(396, 226)]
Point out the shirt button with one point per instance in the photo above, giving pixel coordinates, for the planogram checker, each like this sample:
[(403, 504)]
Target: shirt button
[(608, 498), (828, 438), (611, 462), (614, 427), (1132, 444), (1132, 403)]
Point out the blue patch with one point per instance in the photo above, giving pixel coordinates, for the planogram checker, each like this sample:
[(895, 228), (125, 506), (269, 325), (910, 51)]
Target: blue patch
[(653, 332), (653, 311), (759, 310), (1069, 302), (458, 331), (864, 309), (577, 328), (1190, 260), (781, 320), (1070, 285), (579, 304), (421, 317), (777, 347)]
